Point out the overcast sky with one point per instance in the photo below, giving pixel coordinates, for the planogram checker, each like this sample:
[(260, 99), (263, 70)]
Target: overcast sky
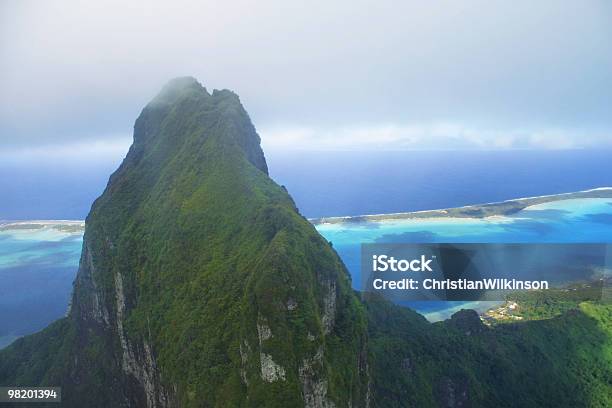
[(316, 75)]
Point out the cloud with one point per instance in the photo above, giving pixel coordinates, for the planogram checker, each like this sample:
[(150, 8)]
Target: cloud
[(427, 137), (75, 71), (110, 149), (113, 148)]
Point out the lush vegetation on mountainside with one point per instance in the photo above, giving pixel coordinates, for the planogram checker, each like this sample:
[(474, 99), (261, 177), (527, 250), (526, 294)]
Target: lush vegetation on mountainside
[(546, 304), (565, 361), (206, 251), (209, 246)]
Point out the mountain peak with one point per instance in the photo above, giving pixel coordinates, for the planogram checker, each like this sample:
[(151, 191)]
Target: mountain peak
[(200, 283), (178, 87), (185, 116), (187, 85)]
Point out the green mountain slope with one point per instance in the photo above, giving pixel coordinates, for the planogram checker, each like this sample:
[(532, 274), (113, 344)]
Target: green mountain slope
[(565, 361), (201, 285)]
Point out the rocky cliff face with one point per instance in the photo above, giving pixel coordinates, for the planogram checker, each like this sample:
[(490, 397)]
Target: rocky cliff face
[(200, 284)]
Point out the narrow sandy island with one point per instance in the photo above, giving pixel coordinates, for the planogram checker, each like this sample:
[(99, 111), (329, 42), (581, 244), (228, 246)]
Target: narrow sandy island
[(501, 208), (70, 226)]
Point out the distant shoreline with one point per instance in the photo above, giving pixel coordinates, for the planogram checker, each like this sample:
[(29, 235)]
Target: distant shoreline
[(487, 210), (68, 226), (500, 208)]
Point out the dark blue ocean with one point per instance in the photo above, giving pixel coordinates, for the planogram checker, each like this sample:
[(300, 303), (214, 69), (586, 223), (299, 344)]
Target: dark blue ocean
[(355, 183), (338, 183)]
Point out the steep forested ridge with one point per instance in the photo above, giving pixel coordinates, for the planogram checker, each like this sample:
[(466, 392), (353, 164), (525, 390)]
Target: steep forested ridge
[(199, 283)]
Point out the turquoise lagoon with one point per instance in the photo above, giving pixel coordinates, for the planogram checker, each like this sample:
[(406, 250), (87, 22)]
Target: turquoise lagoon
[(38, 266), (586, 220)]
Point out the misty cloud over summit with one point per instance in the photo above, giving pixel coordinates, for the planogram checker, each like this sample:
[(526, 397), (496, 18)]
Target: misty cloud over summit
[(319, 75)]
